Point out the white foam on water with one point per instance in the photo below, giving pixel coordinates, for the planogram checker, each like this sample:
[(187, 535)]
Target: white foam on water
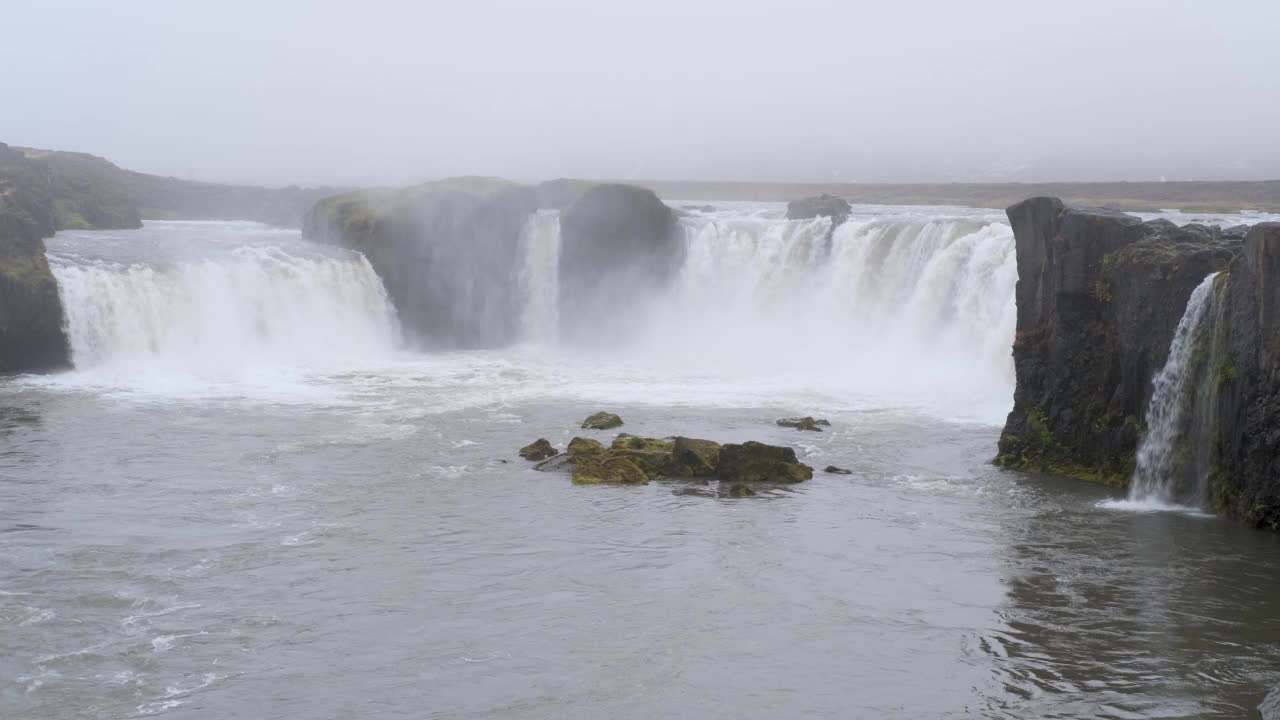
[(1151, 505)]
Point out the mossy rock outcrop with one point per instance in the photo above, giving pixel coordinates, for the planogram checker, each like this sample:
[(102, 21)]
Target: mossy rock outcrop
[(753, 462), (602, 421), (691, 457), (539, 449), (804, 423), (592, 463), (611, 469)]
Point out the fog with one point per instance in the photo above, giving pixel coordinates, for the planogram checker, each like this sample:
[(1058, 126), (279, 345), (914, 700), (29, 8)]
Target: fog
[(390, 92)]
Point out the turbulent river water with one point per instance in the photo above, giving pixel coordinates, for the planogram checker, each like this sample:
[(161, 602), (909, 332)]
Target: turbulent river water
[(249, 500)]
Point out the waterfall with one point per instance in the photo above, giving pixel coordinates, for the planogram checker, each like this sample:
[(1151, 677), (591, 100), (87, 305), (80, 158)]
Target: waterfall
[(540, 242), (902, 298), (1167, 471), (252, 304)]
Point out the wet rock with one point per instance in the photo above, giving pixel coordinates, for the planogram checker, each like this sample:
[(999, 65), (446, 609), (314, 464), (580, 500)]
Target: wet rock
[(634, 442), (739, 490), (804, 423), (619, 246), (691, 457), (602, 421), (610, 470), (758, 462), (836, 470), (559, 463), (539, 449), (838, 209), (651, 454), (580, 448), (448, 253)]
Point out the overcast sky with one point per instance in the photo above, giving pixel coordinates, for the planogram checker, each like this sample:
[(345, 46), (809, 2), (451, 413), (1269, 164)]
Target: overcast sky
[(307, 91)]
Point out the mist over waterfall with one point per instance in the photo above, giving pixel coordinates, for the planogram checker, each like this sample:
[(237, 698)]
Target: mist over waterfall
[(1167, 470), (919, 301), (222, 308), (883, 290)]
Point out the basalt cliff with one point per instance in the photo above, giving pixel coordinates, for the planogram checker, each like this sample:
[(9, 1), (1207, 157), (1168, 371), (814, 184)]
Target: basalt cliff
[(451, 253), (1099, 297)]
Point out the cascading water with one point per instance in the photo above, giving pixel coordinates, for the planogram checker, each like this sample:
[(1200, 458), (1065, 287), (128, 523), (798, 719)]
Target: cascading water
[(221, 309), (1163, 473), (540, 241), (919, 303)]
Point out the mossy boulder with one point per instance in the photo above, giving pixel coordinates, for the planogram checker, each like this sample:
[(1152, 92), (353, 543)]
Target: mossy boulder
[(608, 470), (584, 448), (651, 454), (691, 457), (602, 421), (757, 462), (634, 442), (804, 423), (739, 490), (540, 449)]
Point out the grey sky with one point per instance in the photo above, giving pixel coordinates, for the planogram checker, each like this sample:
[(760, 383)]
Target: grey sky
[(386, 92)]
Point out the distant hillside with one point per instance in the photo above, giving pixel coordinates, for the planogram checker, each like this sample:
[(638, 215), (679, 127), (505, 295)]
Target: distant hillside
[(1133, 196), (87, 191)]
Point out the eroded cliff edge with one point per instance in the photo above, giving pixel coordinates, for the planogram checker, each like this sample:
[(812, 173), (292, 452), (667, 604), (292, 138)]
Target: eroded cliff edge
[(31, 337), (1099, 296), (1245, 476), (452, 254)]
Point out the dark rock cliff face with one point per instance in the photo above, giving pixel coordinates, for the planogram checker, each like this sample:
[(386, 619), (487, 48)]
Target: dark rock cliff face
[(1245, 481), (448, 253), (1099, 296), (618, 244), (837, 209), (31, 337)]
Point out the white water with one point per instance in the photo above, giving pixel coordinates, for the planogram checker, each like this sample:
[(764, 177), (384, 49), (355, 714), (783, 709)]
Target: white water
[(917, 304), (1157, 467), (213, 310), (904, 307), (540, 241)]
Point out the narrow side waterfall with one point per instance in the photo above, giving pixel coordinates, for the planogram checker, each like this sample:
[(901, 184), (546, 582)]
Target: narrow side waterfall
[(251, 305), (1165, 472), (540, 242)]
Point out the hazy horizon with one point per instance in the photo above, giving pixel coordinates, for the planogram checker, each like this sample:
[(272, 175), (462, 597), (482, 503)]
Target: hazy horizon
[(396, 92)]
